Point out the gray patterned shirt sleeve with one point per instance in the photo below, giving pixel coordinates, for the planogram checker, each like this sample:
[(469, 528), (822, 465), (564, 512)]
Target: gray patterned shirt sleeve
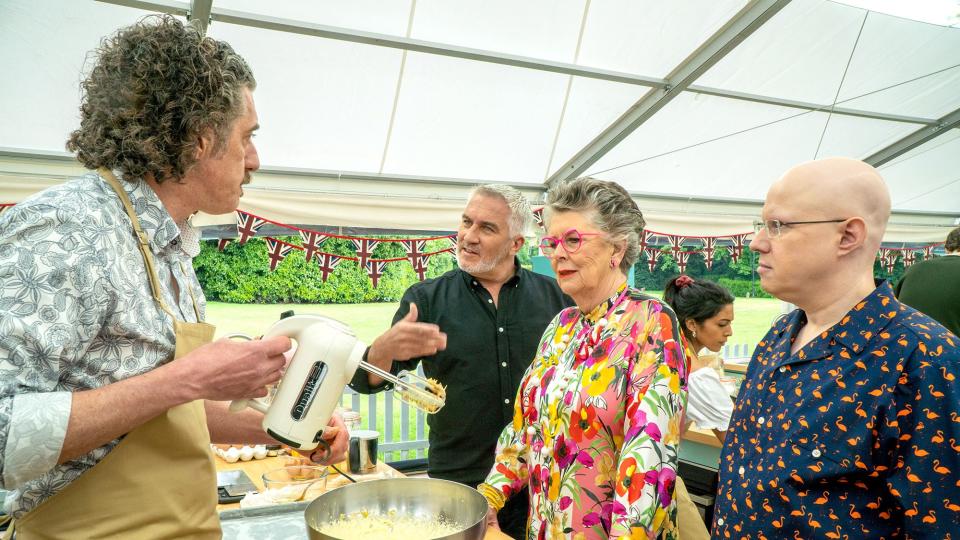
[(77, 313)]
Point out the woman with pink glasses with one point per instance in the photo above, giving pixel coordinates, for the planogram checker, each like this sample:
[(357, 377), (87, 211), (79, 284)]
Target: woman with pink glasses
[(596, 424)]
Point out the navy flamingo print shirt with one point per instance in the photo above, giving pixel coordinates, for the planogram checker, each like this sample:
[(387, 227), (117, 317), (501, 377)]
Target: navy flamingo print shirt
[(857, 435)]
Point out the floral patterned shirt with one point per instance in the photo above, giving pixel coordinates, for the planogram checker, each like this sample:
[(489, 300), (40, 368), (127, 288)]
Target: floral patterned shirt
[(854, 436), (596, 425), (76, 313)]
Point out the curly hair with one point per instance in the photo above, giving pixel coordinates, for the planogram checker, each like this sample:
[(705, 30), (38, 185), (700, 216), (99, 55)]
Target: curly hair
[(155, 88), (610, 208), (953, 241)]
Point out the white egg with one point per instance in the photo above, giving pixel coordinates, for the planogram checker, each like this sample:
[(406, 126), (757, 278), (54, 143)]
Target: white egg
[(246, 453), (259, 451), (231, 455)]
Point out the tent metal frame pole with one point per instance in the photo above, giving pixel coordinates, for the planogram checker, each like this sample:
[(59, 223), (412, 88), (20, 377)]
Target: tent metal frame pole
[(265, 22), (915, 139), (200, 12), (750, 18)]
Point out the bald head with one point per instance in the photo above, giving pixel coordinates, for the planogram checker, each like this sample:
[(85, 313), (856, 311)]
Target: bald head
[(838, 188)]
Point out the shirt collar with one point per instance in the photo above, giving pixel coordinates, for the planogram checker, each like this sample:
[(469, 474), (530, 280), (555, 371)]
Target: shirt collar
[(603, 308), (879, 308), (154, 219)]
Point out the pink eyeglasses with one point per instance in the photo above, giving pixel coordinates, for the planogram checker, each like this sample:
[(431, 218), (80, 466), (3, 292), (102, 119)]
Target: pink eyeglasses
[(571, 241)]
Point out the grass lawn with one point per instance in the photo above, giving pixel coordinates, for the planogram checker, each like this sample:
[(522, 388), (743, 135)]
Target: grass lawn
[(752, 320)]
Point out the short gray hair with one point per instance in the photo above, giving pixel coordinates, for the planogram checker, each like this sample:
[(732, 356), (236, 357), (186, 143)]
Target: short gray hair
[(608, 206), (521, 216)]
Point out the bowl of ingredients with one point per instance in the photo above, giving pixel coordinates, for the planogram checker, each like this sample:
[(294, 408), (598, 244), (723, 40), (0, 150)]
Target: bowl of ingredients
[(294, 483)]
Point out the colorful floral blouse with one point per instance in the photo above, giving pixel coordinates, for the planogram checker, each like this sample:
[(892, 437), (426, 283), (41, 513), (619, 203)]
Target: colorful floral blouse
[(596, 426)]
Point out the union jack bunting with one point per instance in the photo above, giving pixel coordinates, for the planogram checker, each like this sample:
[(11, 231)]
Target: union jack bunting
[(247, 225), (889, 259), (415, 249), (375, 270), (646, 239), (327, 262), (653, 253), (681, 257), (277, 250), (676, 244), (222, 243), (909, 257), (420, 267), (709, 246), (928, 252), (311, 243), (364, 247), (538, 217), (453, 242), (736, 249)]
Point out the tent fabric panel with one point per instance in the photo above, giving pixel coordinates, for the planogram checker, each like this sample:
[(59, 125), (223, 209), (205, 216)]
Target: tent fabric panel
[(43, 48), (928, 176), (367, 15), (325, 104), (649, 37), (464, 119)]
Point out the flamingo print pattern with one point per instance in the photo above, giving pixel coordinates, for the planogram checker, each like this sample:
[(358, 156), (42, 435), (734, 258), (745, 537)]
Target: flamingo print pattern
[(852, 436)]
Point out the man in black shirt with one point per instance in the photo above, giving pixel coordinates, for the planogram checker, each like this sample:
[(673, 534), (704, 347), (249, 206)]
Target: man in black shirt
[(476, 330)]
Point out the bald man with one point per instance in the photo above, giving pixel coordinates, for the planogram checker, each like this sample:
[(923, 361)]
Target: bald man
[(845, 425)]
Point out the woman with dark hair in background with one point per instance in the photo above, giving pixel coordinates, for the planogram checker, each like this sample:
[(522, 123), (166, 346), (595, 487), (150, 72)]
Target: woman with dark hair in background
[(705, 311)]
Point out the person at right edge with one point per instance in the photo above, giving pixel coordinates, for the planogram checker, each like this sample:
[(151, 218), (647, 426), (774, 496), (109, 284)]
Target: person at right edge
[(933, 285)]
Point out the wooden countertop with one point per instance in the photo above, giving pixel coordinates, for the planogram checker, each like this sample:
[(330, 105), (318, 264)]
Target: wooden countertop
[(255, 469)]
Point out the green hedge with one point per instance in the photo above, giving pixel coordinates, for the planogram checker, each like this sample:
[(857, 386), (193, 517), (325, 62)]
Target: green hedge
[(241, 274)]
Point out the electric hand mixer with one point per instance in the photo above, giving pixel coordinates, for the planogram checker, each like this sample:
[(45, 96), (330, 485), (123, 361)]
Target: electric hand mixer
[(327, 356)]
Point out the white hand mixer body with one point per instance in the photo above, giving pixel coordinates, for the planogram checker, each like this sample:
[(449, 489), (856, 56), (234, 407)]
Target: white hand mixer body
[(327, 356)]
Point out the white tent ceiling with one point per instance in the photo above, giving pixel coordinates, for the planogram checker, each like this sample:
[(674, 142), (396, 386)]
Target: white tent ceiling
[(383, 113)]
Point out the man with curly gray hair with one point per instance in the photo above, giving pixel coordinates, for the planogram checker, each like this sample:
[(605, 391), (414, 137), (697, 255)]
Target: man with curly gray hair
[(111, 389)]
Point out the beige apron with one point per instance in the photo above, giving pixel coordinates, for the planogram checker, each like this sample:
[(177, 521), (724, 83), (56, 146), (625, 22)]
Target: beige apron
[(159, 482), (689, 522)]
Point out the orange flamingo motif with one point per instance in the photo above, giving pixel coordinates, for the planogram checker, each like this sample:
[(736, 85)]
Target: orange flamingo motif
[(950, 506), (947, 376), (913, 511), (823, 498), (930, 517), (920, 452), (938, 394), (939, 468), (931, 415), (853, 512), (914, 478), (860, 412), (906, 410), (954, 445), (766, 505), (812, 522), (778, 523), (879, 391), (938, 438)]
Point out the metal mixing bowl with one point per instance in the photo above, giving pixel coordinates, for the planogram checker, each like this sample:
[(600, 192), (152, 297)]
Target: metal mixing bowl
[(427, 498)]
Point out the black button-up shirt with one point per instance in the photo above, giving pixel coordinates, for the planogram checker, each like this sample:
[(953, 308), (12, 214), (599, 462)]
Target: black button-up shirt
[(489, 347)]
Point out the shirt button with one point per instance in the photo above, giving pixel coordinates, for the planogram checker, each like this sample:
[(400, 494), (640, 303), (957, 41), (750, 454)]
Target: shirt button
[(816, 453), (719, 521), (760, 421), (507, 401), (504, 364), (782, 369), (741, 470), (500, 329), (474, 283), (489, 300)]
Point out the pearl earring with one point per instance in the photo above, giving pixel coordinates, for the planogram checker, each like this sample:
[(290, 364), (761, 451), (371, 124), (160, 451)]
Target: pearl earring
[(694, 334)]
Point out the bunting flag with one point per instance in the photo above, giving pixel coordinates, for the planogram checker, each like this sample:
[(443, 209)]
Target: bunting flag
[(709, 246), (327, 262), (889, 258), (415, 250), (538, 217), (222, 243), (453, 242), (646, 239), (681, 257), (277, 250), (420, 267), (364, 247), (311, 243), (676, 244), (247, 225), (653, 253), (375, 270), (909, 257), (736, 249), (928, 252)]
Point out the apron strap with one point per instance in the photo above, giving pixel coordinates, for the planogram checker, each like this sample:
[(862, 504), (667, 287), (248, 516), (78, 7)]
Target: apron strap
[(142, 239), (193, 298)]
